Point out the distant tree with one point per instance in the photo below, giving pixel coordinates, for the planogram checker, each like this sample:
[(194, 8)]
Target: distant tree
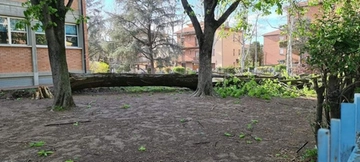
[(259, 53), (52, 14), (147, 22), (96, 30), (205, 34)]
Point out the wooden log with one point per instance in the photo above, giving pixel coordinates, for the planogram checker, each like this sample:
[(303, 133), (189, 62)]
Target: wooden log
[(82, 81)]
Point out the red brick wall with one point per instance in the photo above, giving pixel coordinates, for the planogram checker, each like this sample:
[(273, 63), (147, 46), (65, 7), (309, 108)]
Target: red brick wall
[(73, 58), (74, 5), (272, 50), (15, 60)]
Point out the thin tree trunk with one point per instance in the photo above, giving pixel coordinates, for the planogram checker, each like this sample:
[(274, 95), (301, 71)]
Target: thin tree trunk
[(319, 107)]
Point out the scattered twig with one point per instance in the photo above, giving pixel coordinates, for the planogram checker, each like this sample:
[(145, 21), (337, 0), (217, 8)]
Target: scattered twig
[(200, 124), (302, 146), (213, 107), (199, 143), (67, 123), (216, 143)]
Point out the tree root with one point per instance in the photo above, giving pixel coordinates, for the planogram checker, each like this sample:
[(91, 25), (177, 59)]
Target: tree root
[(201, 93)]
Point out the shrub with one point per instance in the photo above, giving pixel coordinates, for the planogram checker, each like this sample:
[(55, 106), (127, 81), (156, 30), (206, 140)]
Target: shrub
[(179, 70), (190, 71), (99, 67), (167, 70), (265, 89), (265, 69), (279, 68), (229, 70)]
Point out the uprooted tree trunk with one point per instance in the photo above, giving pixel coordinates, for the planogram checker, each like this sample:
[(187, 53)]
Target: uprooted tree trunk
[(82, 81)]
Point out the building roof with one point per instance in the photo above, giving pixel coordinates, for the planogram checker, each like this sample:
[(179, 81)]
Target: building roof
[(276, 32)]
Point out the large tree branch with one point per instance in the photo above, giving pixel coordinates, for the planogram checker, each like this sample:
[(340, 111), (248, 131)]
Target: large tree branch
[(227, 13), (190, 12), (68, 5)]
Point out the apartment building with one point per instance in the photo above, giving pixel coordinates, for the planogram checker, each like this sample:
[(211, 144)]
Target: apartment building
[(24, 53), (226, 48), (274, 49)]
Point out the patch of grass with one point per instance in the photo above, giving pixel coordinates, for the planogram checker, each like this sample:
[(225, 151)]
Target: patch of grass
[(310, 155), (248, 142), (126, 106), (37, 144), (45, 153), (142, 148), (258, 139), (183, 120), (76, 124), (58, 108), (228, 134), (242, 135), (69, 160)]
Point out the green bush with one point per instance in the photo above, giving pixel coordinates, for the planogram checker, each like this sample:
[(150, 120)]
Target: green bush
[(179, 70), (229, 70), (265, 89), (99, 67), (190, 71), (280, 68)]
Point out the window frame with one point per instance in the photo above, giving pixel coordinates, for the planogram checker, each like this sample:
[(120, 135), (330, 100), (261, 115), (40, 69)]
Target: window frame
[(10, 31), (77, 36)]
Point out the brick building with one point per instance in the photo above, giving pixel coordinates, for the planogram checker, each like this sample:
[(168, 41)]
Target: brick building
[(24, 57), (274, 53), (226, 49)]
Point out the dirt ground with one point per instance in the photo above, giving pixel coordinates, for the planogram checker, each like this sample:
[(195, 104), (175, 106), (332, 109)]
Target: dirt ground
[(111, 127)]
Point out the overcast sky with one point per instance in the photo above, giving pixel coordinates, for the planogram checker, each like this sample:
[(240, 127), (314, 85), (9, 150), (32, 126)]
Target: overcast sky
[(265, 24)]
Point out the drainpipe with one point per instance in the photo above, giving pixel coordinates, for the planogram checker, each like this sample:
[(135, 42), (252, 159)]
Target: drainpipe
[(83, 34)]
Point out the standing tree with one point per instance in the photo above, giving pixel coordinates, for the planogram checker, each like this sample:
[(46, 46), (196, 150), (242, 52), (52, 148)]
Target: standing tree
[(147, 22), (253, 53), (52, 14), (205, 34)]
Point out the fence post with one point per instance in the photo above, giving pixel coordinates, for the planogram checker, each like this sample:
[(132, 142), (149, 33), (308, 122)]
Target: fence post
[(347, 131), (323, 145), (335, 140)]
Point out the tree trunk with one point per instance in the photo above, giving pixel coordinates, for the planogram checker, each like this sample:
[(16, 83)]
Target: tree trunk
[(333, 96), (204, 86), (319, 107), (152, 66), (55, 36), (82, 81)]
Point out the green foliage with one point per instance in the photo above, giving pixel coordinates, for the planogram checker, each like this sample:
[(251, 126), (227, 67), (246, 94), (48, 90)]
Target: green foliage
[(279, 68), (179, 70), (126, 106), (265, 69), (265, 89), (99, 67), (148, 89), (45, 153), (229, 70), (228, 134), (142, 148), (37, 144), (59, 108), (76, 124), (309, 155), (190, 71)]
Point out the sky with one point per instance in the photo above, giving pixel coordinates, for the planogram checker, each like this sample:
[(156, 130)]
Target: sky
[(266, 24)]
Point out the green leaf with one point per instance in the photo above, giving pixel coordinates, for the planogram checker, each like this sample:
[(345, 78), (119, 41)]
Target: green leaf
[(142, 148)]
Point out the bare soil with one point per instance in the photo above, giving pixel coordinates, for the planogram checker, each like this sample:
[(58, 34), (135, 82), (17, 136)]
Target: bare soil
[(111, 127)]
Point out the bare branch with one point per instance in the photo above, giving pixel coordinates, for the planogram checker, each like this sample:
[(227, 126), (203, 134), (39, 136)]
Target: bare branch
[(227, 13), (190, 12), (68, 5)]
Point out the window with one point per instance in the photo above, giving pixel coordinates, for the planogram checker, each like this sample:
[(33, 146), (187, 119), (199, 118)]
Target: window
[(239, 52), (233, 52), (281, 51), (71, 36), (281, 61), (13, 34), (40, 36)]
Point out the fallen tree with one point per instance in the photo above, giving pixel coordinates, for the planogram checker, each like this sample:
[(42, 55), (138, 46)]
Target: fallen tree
[(82, 81)]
